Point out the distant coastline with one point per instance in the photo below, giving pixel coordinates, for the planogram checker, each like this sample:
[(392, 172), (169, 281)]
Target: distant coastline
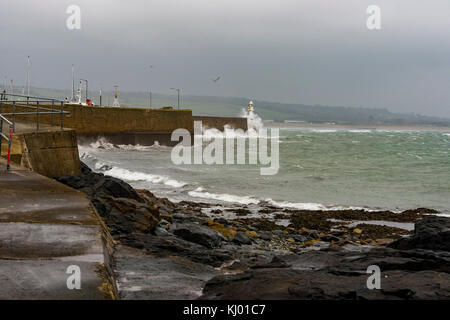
[(267, 110), (305, 125)]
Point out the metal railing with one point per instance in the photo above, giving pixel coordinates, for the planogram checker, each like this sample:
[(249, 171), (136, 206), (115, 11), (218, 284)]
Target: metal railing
[(8, 139), (33, 103)]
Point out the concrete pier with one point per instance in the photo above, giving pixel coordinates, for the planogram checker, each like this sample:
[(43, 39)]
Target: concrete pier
[(125, 125), (50, 151), (46, 227)]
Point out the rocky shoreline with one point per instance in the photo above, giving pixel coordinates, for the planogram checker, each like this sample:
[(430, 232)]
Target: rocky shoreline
[(190, 250)]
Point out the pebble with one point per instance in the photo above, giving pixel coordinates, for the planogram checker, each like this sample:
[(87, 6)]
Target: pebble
[(265, 235)]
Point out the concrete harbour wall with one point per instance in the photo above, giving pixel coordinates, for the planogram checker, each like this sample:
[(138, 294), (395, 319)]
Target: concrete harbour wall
[(95, 120), (221, 122), (50, 153)]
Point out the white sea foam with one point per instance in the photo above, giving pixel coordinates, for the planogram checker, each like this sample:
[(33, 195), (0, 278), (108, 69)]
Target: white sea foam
[(138, 147), (444, 214), (200, 193), (360, 130), (104, 144), (254, 123), (324, 130), (253, 120), (129, 175), (311, 206)]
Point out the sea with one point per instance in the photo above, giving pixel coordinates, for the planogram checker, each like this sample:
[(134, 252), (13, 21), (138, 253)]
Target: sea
[(319, 169)]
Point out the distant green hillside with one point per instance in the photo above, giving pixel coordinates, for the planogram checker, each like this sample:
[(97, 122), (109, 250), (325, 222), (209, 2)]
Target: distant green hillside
[(223, 106)]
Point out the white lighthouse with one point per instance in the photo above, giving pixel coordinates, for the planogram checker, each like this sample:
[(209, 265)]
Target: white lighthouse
[(250, 106), (254, 122)]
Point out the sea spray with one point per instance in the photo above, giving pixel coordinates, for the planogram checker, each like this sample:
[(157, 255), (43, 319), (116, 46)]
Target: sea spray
[(215, 149), (254, 121)]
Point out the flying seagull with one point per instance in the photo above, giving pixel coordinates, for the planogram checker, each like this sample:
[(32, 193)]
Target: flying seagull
[(216, 79)]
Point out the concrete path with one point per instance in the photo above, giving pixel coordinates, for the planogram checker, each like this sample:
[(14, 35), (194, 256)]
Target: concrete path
[(46, 227)]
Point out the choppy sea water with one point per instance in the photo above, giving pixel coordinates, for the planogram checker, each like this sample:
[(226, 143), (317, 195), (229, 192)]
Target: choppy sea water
[(319, 169)]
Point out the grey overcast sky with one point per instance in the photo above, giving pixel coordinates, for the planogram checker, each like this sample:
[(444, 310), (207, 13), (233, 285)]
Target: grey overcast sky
[(298, 51)]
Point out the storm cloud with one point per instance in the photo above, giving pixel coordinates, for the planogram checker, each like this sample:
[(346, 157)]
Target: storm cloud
[(298, 51)]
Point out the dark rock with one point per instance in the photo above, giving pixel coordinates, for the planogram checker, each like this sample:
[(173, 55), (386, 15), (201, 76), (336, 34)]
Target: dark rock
[(171, 245), (186, 249), (276, 283), (252, 260), (116, 188), (241, 211), (159, 231), (276, 262), (431, 232), (339, 274), (300, 238), (123, 215), (194, 205), (221, 221), (241, 238), (266, 235), (122, 208), (164, 224), (320, 219), (158, 277), (165, 206), (267, 210), (180, 218), (198, 234), (281, 216)]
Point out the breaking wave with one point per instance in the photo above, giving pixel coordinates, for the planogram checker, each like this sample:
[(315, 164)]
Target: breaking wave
[(112, 170), (129, 175), (247, 200), (324, 130), (254, 123), (104, 144), (312, 206), (360, 130), (201, 193)]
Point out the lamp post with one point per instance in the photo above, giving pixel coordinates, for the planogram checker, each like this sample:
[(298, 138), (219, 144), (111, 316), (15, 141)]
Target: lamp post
[(178, 91), (86, 88), (28, 75), (100, 104), (150, 91), (150, 98)]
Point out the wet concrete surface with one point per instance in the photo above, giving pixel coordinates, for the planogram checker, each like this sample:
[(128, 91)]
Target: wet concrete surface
[(45, 227), (47, 279), (28, 197), (25, 240)]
